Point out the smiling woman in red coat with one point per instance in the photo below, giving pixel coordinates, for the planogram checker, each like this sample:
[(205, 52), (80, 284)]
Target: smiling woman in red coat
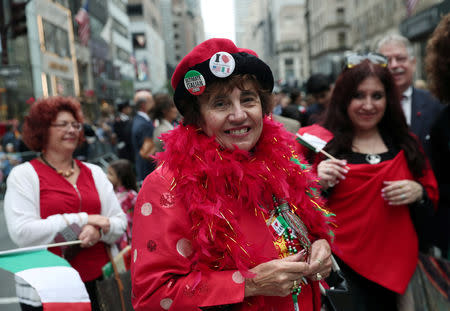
[(229, 220)]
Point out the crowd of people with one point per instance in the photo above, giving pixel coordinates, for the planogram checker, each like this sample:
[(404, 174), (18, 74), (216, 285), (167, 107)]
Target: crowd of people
[(223, 208)]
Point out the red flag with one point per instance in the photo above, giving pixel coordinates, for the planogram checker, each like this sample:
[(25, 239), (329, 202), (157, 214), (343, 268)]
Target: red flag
[(82, 19)]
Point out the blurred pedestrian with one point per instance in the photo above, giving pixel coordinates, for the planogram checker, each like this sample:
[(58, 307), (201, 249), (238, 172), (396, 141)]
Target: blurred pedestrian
[(54, 194), (380, 176), (320, 88), (166, 113), (142, 135), (122, 177), (420, 107), (228, 221), (295, 109), (437, 65), (122, 128), (9, 137)]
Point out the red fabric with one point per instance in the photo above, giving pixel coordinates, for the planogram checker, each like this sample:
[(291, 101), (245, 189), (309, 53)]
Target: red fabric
[(212, 182), (375, 239), (160, 273), (214, 201), (58, 306), (58, 196)]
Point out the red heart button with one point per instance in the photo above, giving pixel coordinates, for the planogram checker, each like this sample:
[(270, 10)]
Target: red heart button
[(225, 58)]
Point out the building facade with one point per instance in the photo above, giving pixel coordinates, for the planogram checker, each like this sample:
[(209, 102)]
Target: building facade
[(148, 45), (330, 35), (290, 42)]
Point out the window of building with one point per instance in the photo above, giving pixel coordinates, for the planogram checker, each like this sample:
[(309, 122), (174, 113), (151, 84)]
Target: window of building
[(155, 23), (56, 39), (288, 61), (139, 41), (134, 9), (340, 14), (342, 38)]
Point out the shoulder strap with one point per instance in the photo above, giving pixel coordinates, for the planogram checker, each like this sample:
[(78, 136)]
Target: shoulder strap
[(117, 277)]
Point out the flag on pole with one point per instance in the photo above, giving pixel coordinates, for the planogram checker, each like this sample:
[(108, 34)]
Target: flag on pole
[(84, 29), (410, 5), (315, 138), (57, 283)]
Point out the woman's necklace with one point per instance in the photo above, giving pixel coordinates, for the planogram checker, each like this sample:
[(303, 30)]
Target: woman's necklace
[(65, 174), (373, 158)]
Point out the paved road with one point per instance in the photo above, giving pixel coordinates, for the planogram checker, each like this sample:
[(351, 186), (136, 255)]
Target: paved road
[(8, 300)]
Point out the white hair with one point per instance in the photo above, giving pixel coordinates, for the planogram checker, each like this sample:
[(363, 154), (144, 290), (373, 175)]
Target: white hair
[(396, 38)]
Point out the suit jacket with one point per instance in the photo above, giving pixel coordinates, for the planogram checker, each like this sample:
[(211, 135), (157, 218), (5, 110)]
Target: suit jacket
[(440, 142), (424, 111), (140, 130), (123, 131)]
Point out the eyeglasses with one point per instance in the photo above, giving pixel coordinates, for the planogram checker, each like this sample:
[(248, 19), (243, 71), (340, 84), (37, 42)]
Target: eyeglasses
[(66, 125), (355, 59)]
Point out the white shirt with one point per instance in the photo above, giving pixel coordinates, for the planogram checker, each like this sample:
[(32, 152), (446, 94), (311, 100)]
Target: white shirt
[(407, 103), (22, 208), (144, 115)]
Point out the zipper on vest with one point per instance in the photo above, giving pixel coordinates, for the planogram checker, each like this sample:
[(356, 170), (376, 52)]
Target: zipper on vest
[(79, 196)]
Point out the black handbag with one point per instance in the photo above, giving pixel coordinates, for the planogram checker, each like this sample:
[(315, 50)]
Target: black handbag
[(69, 233), (338, 288), (114, 293)]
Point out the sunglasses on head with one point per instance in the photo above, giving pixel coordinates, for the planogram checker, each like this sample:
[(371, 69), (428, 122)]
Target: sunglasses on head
[(355, 59)]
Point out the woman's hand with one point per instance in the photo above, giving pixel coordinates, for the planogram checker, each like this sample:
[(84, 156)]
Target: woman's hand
[(320, 260), (276, 277), (402, 192), (99, 221), (89, 236), (330, 172)]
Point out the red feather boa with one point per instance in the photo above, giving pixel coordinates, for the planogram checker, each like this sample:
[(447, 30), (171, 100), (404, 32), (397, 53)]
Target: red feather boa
[(213, 182)]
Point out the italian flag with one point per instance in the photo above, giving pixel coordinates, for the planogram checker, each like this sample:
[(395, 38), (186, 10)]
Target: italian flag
[(315, 138), (57, 283)]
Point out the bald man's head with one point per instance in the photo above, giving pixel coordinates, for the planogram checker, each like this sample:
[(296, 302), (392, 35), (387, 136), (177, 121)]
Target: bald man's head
[(144, 101)]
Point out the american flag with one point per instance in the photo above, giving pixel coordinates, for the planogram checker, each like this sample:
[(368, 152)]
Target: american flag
[(82, 19), (410, 5)]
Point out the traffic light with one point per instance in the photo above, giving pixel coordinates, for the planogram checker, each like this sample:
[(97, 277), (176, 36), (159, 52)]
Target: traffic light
[(18, 19)]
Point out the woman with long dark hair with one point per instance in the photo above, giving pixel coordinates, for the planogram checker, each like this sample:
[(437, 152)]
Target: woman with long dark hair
[(381, 176)]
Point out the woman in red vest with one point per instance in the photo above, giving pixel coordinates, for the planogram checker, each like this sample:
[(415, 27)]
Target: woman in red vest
[(55, 193), (381, 182)]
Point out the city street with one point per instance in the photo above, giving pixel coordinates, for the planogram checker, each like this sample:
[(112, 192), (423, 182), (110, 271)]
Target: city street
[(8, 299)]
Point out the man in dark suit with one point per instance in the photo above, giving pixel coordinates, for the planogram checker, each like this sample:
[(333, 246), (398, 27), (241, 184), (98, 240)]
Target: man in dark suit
[(420, 107), (122, 128), (421, 110), (142, 135)]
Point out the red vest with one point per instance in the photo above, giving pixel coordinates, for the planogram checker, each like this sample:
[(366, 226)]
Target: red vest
[(58, 196)]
